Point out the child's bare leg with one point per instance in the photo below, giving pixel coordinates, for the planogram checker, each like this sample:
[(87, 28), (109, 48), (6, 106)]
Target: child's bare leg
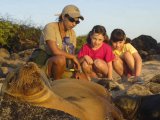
[(87, 69), (118, 66), (101, 66), (129, 60)]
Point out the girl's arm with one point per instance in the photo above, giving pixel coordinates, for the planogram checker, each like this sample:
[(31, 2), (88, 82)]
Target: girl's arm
[(86, 58), (110, 68), (138, 64)]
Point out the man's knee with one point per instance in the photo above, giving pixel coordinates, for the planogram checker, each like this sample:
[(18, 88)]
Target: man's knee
[(58, 60)]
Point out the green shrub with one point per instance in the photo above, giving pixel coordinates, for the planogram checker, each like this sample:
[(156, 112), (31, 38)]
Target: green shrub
[(13, 34), (80, 41)]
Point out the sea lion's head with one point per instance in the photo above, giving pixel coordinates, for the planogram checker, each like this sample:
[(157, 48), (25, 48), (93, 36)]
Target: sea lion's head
[(25, 80), (128, 105)]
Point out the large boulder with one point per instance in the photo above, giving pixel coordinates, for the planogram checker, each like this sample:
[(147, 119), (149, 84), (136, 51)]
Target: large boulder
[(139, 107), (137, 89), (146, 45)]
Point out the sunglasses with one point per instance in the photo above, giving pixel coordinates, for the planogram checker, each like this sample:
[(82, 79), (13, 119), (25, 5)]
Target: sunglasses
[(73, 20)]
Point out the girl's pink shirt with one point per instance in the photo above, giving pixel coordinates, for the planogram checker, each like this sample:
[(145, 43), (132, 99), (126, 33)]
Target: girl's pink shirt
[(104, 52)]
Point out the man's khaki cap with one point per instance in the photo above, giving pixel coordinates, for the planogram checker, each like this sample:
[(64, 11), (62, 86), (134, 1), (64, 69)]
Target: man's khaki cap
[(72, 11)]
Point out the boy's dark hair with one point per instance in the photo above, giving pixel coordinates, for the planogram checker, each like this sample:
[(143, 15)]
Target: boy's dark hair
[(117, 35), (97, 29)]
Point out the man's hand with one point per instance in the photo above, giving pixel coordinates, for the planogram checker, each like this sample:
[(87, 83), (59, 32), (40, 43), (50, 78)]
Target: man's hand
[(78, 66)]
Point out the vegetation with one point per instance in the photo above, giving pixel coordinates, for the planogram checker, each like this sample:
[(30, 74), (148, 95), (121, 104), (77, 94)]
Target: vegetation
[(17, 37), (12, 35), (80, 41)]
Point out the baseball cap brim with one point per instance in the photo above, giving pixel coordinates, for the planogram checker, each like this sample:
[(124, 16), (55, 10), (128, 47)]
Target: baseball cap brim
[(76, 15)]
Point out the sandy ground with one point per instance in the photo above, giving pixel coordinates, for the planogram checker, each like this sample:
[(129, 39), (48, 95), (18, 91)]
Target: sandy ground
[(149, 70)]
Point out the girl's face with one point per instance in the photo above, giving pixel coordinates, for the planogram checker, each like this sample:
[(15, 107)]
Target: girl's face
[(96, 40), (118, 45)]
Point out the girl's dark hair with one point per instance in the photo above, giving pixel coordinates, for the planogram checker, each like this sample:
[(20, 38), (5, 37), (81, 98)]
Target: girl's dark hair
[(117, 35), (100, 30)]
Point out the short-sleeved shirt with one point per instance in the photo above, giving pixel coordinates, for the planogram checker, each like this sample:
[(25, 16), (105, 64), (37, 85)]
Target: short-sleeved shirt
[(104, 52), (126, 48), (51, 32)]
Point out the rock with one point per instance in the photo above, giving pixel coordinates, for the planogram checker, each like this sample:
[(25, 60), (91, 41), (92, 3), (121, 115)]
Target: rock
[(153, 87), (150, 69), (16, 110), (158, 47), (156, 79), (146, 43), (5, 70), (139, 107), (27, 44), (2, 74), (110, 85), (143, 54), (4, 53), (14, 56), (137, 89), (24, 55), (153, 57)]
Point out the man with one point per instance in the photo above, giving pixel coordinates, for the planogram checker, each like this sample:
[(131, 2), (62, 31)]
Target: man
[(53, 41)]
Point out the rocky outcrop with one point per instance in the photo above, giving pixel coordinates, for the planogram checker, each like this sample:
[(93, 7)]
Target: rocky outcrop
[(15, 110), (9, 61), (146, 46)]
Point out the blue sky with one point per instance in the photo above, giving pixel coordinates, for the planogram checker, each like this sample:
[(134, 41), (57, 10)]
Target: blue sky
[(135, 17)]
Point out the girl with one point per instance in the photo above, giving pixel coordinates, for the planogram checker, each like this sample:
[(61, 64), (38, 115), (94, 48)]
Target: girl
[(127, 60), (96, 56)]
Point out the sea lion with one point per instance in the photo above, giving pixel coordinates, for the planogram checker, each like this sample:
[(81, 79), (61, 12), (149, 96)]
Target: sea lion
[(139, 107), (84, 100)]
